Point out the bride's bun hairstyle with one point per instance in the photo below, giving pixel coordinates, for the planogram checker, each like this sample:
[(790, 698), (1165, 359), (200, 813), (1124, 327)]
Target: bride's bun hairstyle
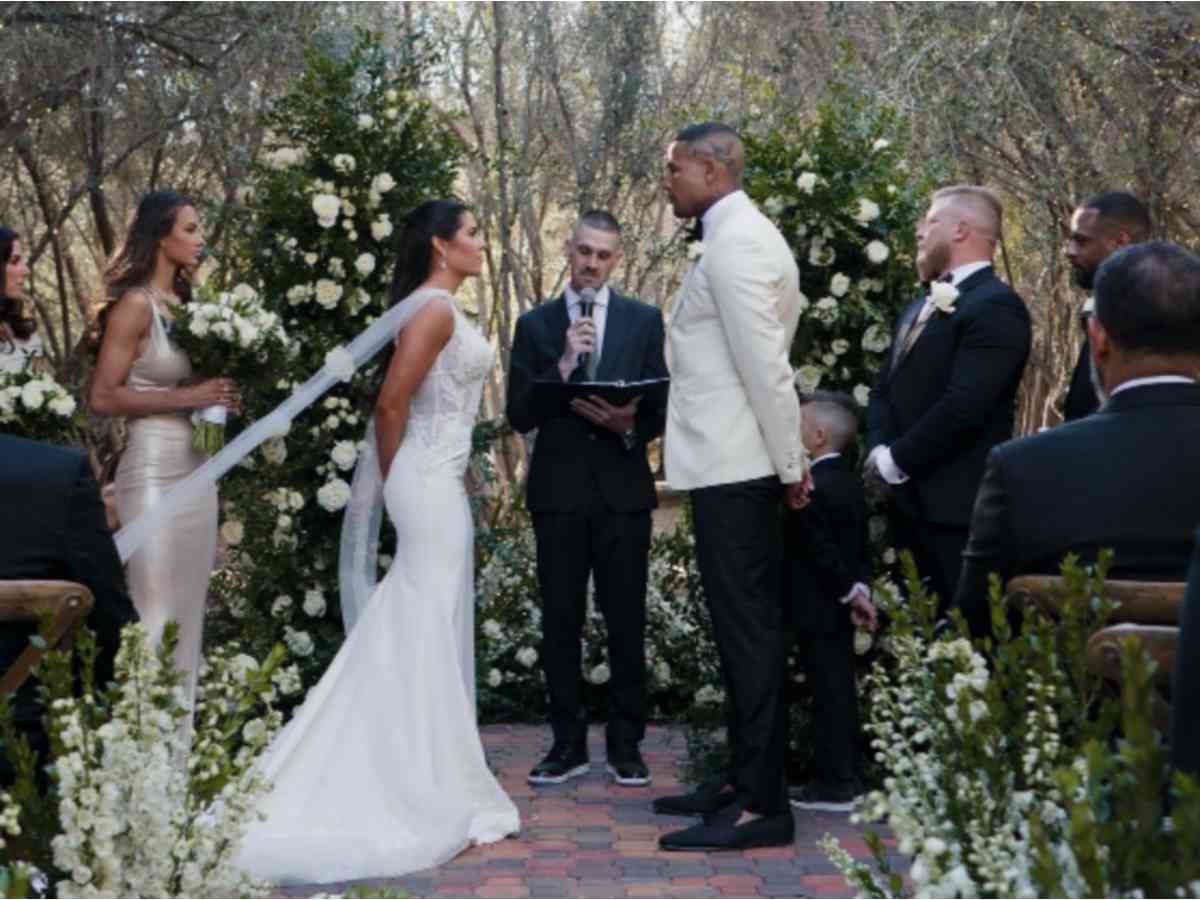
[(134, 261), (12, 309), (414, 253)]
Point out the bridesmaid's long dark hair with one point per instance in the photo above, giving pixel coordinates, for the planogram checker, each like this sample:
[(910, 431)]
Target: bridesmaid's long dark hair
[(133, 263), (12, 309), (414, 255)]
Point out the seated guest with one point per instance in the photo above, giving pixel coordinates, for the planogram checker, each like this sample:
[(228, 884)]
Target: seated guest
[(53, 528), (825, 546), (1125, 477), (1185, 686)]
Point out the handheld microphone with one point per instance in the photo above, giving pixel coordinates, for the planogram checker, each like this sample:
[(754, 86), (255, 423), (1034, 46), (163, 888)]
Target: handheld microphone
[(587, 302)]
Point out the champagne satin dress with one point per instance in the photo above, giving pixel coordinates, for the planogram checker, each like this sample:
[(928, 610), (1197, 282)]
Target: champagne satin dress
[(168, 576)]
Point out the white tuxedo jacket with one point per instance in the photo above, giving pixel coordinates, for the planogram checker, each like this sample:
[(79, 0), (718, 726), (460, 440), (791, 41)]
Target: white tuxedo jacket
[(733, 413)]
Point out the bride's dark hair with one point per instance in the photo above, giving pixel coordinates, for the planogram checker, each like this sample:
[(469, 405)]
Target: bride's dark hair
[(414, 252), (12, 310), (133, 263)]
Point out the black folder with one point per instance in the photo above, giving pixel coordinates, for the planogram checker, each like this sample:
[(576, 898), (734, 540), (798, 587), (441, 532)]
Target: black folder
[(553, 398)]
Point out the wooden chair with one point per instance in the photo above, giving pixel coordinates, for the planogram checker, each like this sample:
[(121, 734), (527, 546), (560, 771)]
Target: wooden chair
[(1140, 602), (65, 602), (1159, 641)]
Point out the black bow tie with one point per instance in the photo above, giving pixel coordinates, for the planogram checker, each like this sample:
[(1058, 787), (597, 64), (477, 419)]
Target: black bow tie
[(695, 232)]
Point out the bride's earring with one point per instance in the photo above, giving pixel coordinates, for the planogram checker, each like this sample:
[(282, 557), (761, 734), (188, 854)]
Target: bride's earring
[(442, 263)]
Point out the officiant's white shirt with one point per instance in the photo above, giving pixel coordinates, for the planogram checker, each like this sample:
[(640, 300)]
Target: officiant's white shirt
[(599, 314)]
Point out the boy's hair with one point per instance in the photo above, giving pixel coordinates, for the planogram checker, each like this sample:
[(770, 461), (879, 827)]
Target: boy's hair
[(837, 412)]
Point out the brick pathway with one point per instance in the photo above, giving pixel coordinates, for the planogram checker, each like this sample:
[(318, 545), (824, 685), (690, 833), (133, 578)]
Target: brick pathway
[(590, 838)]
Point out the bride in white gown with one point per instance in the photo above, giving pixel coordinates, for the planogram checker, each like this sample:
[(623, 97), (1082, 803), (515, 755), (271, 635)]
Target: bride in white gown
[(381, 771)]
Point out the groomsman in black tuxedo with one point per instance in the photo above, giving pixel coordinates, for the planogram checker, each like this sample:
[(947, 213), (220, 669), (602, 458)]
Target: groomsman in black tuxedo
[(946, 395), (54, 528), (590, 492), (1100, 227), (1125, 477)]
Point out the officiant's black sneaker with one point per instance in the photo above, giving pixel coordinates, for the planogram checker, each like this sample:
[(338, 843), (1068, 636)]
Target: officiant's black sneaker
[(628, 768), (563, 762), (825, 797)]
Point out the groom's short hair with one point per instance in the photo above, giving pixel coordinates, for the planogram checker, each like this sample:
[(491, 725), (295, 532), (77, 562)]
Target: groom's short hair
[(985, 207), (719, 141)]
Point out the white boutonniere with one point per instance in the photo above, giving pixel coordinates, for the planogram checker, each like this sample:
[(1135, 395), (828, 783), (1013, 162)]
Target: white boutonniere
[(695, 250), (943, 296)]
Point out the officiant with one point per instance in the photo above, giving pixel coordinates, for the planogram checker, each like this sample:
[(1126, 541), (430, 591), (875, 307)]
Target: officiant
[(590, 492)]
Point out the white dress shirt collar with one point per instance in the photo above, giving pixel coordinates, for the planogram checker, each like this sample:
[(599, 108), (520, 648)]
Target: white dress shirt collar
[(823, 457), (573, 296), (1151, 379)]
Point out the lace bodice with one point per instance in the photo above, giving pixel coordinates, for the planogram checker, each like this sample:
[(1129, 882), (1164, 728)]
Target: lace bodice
[(443, 410)]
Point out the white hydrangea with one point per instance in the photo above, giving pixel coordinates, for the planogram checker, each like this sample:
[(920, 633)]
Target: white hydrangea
[(333, 495)]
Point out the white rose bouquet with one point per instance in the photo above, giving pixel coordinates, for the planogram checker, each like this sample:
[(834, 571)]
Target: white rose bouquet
[(34, 405), (231, 334)]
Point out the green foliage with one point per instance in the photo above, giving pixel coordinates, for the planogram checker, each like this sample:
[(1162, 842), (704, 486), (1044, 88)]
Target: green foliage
[(1020, 773), (352, 148)]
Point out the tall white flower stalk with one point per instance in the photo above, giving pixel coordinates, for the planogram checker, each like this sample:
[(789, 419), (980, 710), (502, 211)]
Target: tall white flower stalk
[(143, 814)]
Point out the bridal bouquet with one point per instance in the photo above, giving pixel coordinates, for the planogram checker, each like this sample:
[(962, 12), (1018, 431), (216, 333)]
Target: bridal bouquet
[(228, 334)]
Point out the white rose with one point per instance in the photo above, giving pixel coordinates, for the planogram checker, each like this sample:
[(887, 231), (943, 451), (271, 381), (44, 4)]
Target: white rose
[(254, 731), (364, 122), (326, 206), (365, 264), (867, 211), (381, 228), (348, 209), (876, 339), (839, 346), (281, 605), (328, 293), (492, 629), (232, 532), (274, 450), (494, 678), (244, 292), (862, 394), (839, 284), (943, 296), (804, 304), (314, 603), (862, 641), (344, 455), (877, 252), (340, 362), (382, 183), (880, 144), (333, 495), (344, 163), (820, 253), (827, 310), (808, 378), (807, 182), (299, 642), (830, 359), (32, 396), (600, 674), (527, 656), (62, 405), (337, 268), (390, 95), (773, 206)]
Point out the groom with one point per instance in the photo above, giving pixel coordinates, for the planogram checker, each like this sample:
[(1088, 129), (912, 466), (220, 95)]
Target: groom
[(590, 493), (733, 441)]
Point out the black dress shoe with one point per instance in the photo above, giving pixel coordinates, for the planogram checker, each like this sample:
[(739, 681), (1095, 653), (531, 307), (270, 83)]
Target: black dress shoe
[(707, 798), (564, 761), (628, 768), (719, 832)]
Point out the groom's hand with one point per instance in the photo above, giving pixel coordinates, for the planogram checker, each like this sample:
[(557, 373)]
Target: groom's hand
[(598, 411), (797, 494)]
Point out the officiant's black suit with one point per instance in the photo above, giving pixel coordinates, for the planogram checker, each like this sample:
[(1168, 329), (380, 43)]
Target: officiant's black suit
[(590, 498), (940, 409), (1125, 477), (53, 527)]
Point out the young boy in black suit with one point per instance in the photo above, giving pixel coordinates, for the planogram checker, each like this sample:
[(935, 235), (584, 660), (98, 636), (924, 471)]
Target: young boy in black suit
[(826, 595)]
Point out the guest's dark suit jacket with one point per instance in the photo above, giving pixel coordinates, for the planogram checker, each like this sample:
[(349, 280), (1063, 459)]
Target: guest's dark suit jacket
[(1127, 477), (53, 527), (1081, 395), (570, 452), (825, 548), (946, 403)]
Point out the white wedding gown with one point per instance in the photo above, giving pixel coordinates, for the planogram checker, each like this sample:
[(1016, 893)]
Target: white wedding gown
[(381, 771)]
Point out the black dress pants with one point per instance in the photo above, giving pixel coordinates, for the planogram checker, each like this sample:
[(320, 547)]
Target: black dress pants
[(614, 548), (936, 549), (738, 549), (828, 660)]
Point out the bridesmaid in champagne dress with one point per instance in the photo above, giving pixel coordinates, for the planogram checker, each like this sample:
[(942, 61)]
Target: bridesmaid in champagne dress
[(142, 375)]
